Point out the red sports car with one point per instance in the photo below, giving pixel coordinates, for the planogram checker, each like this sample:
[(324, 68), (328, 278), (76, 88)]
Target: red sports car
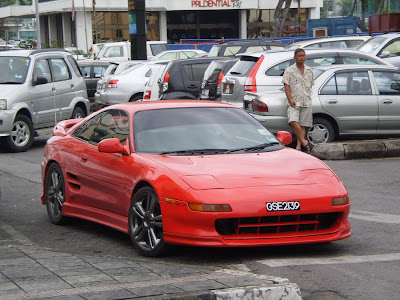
[(190, 172)]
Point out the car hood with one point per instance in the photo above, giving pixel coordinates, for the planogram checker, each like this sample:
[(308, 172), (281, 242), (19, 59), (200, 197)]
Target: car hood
[(283, 167), (8, 90)]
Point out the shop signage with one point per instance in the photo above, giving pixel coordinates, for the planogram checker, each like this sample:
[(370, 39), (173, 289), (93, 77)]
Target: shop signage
[(217, 3)]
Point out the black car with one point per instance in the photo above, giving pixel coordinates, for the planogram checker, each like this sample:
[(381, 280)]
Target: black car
[(92, 70), (181, 79), (211, 84), (236, 47)]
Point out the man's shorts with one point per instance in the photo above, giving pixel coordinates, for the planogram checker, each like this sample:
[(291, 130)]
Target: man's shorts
[(301, 115)]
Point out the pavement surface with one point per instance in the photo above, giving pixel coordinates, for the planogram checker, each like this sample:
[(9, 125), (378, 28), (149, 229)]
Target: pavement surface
[(28, 272)]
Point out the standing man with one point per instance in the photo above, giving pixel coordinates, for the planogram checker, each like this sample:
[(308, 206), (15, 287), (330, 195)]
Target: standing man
[(298, 80)]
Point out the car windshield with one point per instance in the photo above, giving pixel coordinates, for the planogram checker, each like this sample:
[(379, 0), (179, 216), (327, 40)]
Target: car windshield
[(13, 69), (200, 131), (371, 45)]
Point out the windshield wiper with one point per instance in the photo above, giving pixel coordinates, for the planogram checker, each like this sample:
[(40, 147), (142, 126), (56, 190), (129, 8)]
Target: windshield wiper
[(257, 147), (196, 151)]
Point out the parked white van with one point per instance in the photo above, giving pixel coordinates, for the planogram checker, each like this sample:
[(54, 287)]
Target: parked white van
[(121, 51)]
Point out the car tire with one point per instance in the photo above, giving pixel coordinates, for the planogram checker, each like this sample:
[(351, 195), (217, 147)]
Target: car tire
[(145, 223), (22, 134), (55, 193), (322, 131), (78, 113), (135, 98)]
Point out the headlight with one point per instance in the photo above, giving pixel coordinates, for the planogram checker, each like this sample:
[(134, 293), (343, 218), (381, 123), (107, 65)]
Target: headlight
[(3, 104)]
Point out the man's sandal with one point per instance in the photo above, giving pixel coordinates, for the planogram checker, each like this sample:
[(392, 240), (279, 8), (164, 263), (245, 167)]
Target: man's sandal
[(307, 148)]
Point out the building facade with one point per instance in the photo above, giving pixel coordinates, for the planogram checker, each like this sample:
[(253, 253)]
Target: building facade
[(81, 23)]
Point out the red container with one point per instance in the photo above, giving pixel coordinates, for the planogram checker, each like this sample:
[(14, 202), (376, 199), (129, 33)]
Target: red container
[(384, 23)]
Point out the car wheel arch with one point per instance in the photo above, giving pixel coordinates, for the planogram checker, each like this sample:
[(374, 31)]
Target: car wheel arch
[(324, 119), (140, 185), (136, 97)]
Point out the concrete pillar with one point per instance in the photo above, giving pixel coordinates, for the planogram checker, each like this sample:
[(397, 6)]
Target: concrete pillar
[(52, 31), (243, 24), (83, 29), (163, 26), (66, 22), (315, 12), (42, 24)]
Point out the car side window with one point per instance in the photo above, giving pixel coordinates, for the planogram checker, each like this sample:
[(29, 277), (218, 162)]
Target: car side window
[(279, 69), (85, 71), (393, 48), (321, 61), (256, 48), (169, 55), (388, 82), (358, 60), (59, 69), (112, 123), (98, 71), (75, 66), (42, 69), (330, 87), (354, 83)]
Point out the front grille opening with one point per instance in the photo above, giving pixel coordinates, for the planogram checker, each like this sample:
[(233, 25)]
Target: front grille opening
[(270, 225)]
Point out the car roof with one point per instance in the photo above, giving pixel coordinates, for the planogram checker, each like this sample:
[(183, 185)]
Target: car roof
[(358, 67), (332, 39), (93, 62), (291, 51), (248, 42), (27, 52), (163, 104)]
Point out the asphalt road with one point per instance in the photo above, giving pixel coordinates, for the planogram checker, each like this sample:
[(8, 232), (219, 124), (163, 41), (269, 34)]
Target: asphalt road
[(365, 266)]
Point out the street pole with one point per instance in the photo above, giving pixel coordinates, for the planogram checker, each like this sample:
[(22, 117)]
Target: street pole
[(38, 42), (137, 29), (299, 15)]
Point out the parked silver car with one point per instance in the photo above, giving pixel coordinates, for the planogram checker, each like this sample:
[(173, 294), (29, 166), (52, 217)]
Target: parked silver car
[(351, 41), (38, 88), (346, 99), (385, 46), (152, 89), (262, 71), (128, 86)]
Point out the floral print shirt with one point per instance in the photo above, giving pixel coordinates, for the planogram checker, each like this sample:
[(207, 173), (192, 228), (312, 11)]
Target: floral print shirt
[(300, 84)]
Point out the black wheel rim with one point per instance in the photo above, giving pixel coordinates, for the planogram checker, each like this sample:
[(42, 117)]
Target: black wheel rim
[(146, 231), (55, 193)]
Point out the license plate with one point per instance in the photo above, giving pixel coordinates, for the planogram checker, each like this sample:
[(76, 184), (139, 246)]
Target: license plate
[(283, 206), (227, 88), (205, 92)]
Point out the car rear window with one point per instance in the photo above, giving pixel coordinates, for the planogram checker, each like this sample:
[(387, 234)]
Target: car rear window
[(243, 67), (194, 71), (213, 69)]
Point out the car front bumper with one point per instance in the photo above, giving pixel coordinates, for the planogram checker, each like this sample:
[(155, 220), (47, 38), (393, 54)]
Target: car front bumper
[(6, 121)]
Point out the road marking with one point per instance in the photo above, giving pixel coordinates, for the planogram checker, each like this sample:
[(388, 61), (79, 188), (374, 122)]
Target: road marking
[(350, 259), (375, 217)]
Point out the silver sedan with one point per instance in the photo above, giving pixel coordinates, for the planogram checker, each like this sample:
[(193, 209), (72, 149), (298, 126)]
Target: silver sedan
[(346, 100)]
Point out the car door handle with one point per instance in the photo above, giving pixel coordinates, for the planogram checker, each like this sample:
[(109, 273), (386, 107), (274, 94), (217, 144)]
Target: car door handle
[(332, 101), (84, 159), (72, 86), (192, 86), (387, 101), (53, 89)]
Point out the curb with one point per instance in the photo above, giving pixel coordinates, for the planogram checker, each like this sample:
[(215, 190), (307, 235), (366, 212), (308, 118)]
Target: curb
[(358, 149), (287, 291)]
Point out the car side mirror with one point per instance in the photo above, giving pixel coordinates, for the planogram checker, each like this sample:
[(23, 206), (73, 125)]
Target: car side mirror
[(112, 145), (384, 54), (395, 86), (284, 137), (40, 80)]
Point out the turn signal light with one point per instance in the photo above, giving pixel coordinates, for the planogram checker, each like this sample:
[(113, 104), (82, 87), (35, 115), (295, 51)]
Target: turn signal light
[(147, 95), (340, 201), (210, 207)]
